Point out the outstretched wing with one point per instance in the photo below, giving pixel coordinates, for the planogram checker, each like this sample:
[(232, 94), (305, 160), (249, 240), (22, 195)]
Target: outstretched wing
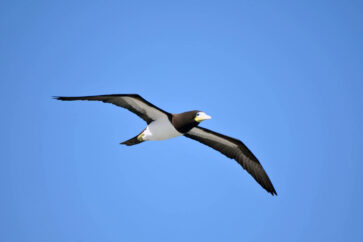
[(133, 102), (236, 150)]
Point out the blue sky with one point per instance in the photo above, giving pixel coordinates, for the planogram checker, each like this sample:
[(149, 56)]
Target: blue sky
[(284, 77)]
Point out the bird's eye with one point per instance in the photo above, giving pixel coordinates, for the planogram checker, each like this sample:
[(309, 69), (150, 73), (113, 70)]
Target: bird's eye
[(197, 114)]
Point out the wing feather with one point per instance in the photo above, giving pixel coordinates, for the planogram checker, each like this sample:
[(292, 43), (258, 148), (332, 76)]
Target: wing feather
[(234, 149), (133, 102)]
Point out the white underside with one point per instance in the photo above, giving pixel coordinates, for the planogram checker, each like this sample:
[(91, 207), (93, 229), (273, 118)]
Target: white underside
[(160, 129)]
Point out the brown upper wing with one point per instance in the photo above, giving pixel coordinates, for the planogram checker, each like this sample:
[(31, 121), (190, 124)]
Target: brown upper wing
[(133, 102), (236, 150)]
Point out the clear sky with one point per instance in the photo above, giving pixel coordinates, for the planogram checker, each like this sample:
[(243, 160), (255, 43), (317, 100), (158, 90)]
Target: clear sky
[(285, 77)]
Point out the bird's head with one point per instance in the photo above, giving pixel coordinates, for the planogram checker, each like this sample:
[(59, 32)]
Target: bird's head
[(201, 116), (183, 122)]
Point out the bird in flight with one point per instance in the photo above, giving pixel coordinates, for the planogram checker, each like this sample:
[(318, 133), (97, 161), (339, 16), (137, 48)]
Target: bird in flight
[(162, 125)]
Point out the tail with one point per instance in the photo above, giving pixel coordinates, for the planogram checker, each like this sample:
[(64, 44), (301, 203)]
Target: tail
[(134, 141)]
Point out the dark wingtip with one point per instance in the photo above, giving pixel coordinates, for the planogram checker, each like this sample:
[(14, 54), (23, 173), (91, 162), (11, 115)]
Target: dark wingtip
[(58, 98), (66, 98), (267, 185), (272, 191)]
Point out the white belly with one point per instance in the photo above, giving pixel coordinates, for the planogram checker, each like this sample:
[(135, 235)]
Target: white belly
[(159, 130)]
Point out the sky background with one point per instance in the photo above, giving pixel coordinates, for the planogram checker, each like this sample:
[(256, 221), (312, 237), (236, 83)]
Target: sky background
[(285, 77)]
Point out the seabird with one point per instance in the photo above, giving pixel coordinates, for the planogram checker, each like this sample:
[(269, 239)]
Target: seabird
[(162, 125)]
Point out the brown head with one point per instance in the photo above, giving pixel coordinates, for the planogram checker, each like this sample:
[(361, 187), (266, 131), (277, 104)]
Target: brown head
[(183, 122)]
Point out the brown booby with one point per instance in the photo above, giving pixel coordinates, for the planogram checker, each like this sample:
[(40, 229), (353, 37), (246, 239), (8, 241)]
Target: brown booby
[(162, 125)]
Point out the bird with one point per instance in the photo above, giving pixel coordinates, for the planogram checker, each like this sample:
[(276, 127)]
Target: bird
[(162, 125)]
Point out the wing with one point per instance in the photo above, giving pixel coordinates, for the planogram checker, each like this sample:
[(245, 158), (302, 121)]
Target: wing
[(133, 102), (233, 149)]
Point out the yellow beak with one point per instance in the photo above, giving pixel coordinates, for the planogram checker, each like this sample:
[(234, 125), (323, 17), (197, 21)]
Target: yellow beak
[(202, 116)]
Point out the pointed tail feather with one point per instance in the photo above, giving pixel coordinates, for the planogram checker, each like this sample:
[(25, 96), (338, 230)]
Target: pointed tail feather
[(133, 141)]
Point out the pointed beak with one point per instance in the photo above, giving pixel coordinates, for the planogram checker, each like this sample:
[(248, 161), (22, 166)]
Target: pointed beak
[(206, 116), (202, 116)]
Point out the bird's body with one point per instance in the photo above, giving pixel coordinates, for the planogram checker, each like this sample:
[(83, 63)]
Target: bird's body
[(160, 129), (162, 125)]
